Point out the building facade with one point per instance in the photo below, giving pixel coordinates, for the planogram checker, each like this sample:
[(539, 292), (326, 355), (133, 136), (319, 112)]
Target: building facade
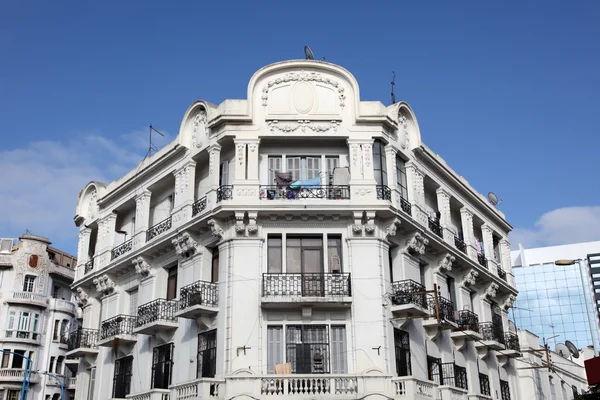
[(37, 313), (552, 298), (301, 243)]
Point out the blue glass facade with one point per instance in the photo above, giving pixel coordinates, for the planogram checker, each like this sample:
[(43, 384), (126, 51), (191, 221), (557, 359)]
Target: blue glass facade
[(551, 302)]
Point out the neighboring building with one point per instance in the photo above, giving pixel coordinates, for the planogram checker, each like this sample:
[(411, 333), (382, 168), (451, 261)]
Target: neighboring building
[(566, 378), (36, 315), (551, 297), (209, 271)]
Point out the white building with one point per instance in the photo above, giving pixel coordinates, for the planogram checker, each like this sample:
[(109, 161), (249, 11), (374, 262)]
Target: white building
[(288, 245), (36, 314)]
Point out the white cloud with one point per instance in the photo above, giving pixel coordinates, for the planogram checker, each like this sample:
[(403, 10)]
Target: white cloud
[(41, 181), (561, 226)]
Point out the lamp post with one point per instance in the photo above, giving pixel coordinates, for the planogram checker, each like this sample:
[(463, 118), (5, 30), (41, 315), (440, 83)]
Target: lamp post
[(26, 373), (585, 297), (61, 383)]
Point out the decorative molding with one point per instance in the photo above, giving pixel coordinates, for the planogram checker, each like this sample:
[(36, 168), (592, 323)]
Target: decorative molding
[(355, 155), (104, 285), (216, 229), (81, 297), (182, 179), (392, 228), (141, 266), (367, 152), (369, 228), (491, 290), (469, 279), (240, 227), (508, 303), (199, 118), (445, 264), (303, 125), (416, 244), (241, 152), (306, 77), (357, 229), (185, 245)]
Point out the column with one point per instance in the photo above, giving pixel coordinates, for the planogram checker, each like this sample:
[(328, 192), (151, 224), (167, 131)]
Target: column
[(240, 161), (106, 239), (214, 162), (142, 218), (390, 158), (362, 178), (84, 245), (466, 217), (184, 193), (253, 165), (505, 260), (443, 200), (355, 160), (488, 246), (367, 154), (246, 170), (416, 192)]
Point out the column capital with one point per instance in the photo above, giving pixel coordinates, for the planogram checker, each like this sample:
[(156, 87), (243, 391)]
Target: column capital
[(486, 228), (416, 168), (143, 195), (390, 150), (214, 147), (442, 191), (466, 212)]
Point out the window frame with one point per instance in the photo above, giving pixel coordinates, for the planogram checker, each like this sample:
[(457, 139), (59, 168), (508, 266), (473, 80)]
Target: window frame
[(402, 352), (172, 276), (209, 338), (162, 357), (32, 286), (401, 179), (122, 374), (381, 159)]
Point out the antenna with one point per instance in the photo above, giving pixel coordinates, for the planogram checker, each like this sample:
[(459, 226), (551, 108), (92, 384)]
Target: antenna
[(308, 53), (572, 348), (493, 198), (151, 146), (393, 84), (562, 350)]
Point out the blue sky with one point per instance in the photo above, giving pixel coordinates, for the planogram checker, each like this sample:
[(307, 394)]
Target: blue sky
[(506, 92)]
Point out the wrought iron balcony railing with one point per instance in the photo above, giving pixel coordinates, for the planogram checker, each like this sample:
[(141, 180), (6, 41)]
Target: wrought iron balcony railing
[(224, 193), (454, 375), (383, 192), (491, 331), (121, 249), (511, 341), (329, 192), (408, 292), (83, 338), (482, 260), (307, 285), (435, 227), (501, 273), (445, 306), (159, 228), (405, 206), (467, 321), (460, 245), (198, 206), (119, 325), (199, 293), (157, 310), (89, 266)]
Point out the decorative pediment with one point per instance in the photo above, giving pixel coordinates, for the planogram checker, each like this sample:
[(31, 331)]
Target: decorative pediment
[(508, 303), (469, 279), (491, 290), (416, 244), (445, 264), (141, 266), (185, 245), (104, 285), (81, 297), (216, 229)]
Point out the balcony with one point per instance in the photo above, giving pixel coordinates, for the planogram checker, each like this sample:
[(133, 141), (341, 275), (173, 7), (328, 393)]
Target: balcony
[(24, 337), (502, 274), (61, 271), (63, 306), (435, 227), (454, 375), (203, 388), (467, 330), (121, 249), (198, 206), (157, 229), (511, 341), (460, 245), (280, 290), (308, 386), (442, 314), (17, 375), (408, 387), (28, 298), (82, 342), (153, 394), (482, 260), (157, 315), (72, 383), (224, 193), (383, 192), (310, 192), (197, 299), (405, 206), (88, 266), (493, 337), (118, 327), (409, 298)]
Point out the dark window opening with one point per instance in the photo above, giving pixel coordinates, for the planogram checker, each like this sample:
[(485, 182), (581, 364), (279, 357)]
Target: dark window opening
[(402, 344), (122, 377), (162, 366), (307, 348), (207, 354), (172, 283)]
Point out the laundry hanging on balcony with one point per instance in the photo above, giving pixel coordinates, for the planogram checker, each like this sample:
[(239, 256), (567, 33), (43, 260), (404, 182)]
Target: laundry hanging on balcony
[(307, 183), (283, 179)]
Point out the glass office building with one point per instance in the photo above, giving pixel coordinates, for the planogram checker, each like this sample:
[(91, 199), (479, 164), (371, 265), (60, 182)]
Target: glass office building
[(551, 298)]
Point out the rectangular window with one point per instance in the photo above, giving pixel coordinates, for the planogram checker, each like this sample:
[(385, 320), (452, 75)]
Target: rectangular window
[(484, 384), (59, 365), (56, 292), (214, 276), (23, 328), (422, 270), (122, 377), (29, 283), (452, 291), (331, 163), (401, 178), (14, 394), (5, 359), (133, 301), (51, 365), (334, 253), (224, 174), (11, 323), (293, 167), (379, 163), (172, 283), (307, 348), (274, 254), (434, 368), (162, 366), (17, 359), (339, 352), (56, 331), (504, 390), (402, 345), (207, 354), (304, 254), (274, 347), (92, 383), (274, 167)]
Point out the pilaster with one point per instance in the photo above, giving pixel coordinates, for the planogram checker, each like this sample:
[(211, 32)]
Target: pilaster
[(83, 248), (443, 200), (505, 261), (362, 178), (142, 218), (214, 161), (466, 217), (253, 164), (240, 161), (390, 159), (416, 192), (106, 239), (488, 246), (184, 193), (246, 170)]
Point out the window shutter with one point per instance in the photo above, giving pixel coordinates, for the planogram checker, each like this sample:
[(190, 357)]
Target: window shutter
[(293, 166), (274, 347), (11, 321), (339, 359), (133, 302)]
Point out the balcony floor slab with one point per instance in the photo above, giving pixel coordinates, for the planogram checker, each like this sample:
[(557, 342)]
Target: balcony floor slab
[(83, 352), (491, 344), (157, 326), (196, 311), (123, 339), (409, 309), (313, 301), (466, 334)]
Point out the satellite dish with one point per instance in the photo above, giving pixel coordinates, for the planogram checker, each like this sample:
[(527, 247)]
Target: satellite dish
[(308, 53), (512, 327), (493, 198), (562, 350), (572, 348)]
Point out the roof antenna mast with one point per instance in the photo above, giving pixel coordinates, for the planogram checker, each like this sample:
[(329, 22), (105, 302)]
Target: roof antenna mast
[(151, 146), (393, 82)]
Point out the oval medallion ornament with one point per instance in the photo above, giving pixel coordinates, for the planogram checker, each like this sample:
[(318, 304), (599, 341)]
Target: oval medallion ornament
[(303, 97), (33, 261)]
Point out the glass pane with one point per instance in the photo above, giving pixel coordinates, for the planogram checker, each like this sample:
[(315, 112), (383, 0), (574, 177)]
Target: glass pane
[(312, 242), (311, 261), (293, 260)]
